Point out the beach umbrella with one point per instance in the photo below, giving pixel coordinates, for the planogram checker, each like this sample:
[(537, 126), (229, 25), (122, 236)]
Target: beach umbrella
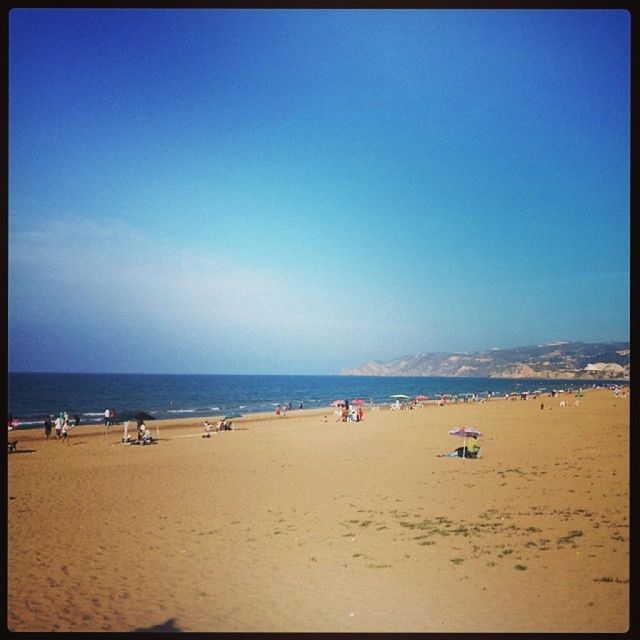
[(399, 396), (358, 401), (337, 403), (135, 415), (463, 432), (420, 398)]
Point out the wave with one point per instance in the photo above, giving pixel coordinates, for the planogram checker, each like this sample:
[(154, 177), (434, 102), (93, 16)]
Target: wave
[(93, 413), (181, 410)]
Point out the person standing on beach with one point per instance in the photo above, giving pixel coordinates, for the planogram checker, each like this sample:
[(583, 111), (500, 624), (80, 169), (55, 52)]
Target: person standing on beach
[(107, 415), (65, 432), (47, 428), (58, 426)]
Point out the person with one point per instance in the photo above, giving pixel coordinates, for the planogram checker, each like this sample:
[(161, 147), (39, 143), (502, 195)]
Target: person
[(472, 448), (76, 420), (208, 429), (302, 405), (542, 406), (58, 427), (107, 415), (64, 432), (144, 435), (47, 428), (360, 414)]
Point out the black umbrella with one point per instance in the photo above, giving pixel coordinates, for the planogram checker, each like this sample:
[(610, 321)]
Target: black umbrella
[(134, 415)]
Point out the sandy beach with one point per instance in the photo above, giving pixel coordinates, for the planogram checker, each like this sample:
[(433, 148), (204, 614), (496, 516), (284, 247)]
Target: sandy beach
[(294, 524)]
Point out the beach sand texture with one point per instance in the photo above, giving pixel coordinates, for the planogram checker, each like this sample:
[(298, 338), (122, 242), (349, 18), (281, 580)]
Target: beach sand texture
[(293, 524)]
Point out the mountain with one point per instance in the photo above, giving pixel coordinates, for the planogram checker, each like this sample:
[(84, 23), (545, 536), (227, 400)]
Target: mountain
[(591, 361)]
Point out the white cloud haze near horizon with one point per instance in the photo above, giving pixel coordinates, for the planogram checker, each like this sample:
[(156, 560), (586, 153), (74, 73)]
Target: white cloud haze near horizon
[(151, 305)]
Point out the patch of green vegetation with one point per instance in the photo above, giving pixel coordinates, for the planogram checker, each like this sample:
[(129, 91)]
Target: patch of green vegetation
[(570, 537), (457, 561), (366, 523), (378, 566)]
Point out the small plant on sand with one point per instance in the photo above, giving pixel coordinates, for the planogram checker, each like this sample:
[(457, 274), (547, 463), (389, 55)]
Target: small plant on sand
[(457, 561), (520, 567)]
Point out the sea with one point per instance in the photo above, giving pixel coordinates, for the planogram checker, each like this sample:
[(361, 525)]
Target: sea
[(34, 397)]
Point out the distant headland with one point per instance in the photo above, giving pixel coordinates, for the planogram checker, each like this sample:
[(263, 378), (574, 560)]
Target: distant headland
[(562, 360)]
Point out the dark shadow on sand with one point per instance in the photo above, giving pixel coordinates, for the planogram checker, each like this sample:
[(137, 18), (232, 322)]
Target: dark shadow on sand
[(169, 626)]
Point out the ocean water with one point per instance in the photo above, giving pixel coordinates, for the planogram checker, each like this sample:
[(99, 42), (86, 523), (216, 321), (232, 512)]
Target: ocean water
[(34, 396)]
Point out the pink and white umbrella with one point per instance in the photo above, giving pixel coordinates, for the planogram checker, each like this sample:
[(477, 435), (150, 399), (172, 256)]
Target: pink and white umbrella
[(359, 401), (465, 431), (337, 403)]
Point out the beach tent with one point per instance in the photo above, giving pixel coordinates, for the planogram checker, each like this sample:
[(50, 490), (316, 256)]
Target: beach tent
[(128, 416)]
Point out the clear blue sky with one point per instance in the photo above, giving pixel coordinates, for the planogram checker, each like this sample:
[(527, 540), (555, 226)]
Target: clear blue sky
[(297, 191)]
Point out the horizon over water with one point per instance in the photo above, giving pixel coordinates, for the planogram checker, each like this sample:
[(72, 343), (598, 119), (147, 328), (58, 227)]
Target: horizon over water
[(34, 396)]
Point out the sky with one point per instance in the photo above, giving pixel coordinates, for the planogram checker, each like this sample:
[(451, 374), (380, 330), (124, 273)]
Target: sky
[(297, 191)]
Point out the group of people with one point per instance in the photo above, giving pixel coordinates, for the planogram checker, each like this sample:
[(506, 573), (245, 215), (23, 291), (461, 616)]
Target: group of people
[(350, 414), (62, 425), (221, 425)]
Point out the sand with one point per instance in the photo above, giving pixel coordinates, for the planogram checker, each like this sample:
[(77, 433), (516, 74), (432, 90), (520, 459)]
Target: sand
[(293, 524)]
